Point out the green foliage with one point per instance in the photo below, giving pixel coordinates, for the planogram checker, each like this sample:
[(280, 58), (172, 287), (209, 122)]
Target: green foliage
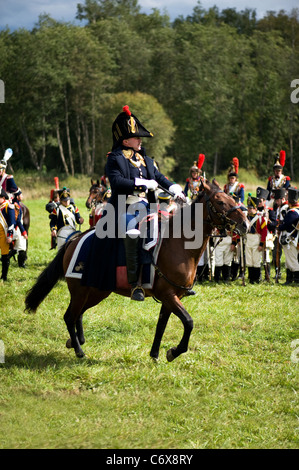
[(219, 82), (236, 387)]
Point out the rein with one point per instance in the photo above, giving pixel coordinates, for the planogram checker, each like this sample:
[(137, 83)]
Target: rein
[(227, 224)]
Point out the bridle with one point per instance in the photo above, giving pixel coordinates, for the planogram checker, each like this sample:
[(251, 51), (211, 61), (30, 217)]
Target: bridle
[(93, 196), (226, 222)]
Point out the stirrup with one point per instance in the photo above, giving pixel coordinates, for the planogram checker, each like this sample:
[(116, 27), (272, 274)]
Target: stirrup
[(137, 293)]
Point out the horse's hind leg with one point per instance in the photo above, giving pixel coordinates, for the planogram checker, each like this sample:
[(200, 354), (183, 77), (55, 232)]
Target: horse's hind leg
[(161, 325), (79, 329), (74, 341)]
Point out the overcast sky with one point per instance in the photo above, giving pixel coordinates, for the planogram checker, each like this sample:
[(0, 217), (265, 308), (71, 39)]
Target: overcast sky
[(24, 13)]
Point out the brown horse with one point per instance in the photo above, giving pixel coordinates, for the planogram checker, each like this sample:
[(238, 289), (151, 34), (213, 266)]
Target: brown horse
[(96, 194), (26, 216), (176, 270)]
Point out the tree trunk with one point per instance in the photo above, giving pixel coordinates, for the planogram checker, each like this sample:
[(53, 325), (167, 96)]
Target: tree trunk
[(68, 136), (78, 135), (215, 163), (32, 152), (86, 148), (61, 150)]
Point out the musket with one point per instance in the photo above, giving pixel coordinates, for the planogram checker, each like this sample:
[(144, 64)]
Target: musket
[(242, 261), (277, 261), (265, 265)]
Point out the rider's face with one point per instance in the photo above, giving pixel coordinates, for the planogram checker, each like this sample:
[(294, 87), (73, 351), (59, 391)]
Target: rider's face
[(133, 142)]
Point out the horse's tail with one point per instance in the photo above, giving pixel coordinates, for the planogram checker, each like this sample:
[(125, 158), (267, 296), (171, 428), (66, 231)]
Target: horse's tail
[(45, 282)]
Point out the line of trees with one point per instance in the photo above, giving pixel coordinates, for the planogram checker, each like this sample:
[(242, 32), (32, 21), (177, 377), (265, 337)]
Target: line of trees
[(216, 82)]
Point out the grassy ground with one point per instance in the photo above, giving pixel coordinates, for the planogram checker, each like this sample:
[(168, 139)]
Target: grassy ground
[(236, 387)]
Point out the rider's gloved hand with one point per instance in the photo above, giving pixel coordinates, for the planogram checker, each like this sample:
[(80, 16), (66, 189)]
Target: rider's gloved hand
[(150, 184), (178, 193)]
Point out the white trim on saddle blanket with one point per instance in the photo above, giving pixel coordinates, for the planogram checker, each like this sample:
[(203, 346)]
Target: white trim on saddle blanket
[(75, 268)]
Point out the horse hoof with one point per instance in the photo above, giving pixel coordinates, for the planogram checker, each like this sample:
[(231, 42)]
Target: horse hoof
[(69, 343), (169, 355), (80, 354)]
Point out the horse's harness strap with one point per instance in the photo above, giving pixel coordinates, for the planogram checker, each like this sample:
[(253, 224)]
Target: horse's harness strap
[(161, 275), (222, 215)]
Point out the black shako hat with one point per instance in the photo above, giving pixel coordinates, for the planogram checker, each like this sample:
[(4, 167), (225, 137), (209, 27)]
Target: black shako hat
[(293, 194), (125, 126), (262, 193), (279, 193)]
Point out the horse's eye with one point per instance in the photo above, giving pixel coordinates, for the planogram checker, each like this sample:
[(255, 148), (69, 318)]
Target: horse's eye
[(220, 203)]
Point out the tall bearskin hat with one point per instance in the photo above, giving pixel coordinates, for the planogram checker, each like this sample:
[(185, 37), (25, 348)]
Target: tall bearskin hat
[(197, 165), (279, 161), (125, 126), (234, 168), (262, 193), (3, 163), (293, 194)]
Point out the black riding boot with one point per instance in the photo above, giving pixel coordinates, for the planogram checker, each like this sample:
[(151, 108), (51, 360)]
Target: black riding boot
[(217, 273), (296, 277), (5, 266), (132, 261), (22, 256), (289, 278)]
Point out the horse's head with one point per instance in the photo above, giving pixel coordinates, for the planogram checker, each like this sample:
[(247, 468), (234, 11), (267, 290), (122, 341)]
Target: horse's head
[(222, 212), (96, 191)]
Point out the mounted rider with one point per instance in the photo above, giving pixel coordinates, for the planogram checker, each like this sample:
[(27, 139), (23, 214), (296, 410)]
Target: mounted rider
[(134, 175), (64, 217)]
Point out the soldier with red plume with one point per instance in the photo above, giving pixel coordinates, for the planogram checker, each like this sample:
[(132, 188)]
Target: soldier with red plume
[(278, 180), (233, 187), (195, 176)]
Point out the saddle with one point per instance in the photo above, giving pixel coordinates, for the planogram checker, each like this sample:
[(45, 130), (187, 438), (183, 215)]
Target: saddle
[(101, 263)]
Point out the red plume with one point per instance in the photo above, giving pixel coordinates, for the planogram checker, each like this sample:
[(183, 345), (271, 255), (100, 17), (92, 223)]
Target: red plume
[(200, 161), (282, 157), (236, 164), (126, 110), (56, 180)]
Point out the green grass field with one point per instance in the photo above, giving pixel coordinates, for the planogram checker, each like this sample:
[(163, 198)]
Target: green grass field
[(236, 387)]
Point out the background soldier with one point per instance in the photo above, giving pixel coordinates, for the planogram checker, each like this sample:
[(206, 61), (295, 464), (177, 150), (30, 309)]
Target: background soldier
[(289, 236), (255, 241), (278, 180)]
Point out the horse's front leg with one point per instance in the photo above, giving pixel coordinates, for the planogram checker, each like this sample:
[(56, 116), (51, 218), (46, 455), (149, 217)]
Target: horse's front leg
[(178, 309), (160, 328)]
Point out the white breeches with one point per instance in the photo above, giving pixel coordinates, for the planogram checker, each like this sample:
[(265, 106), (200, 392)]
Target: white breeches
[(252, 255), (223, 253)]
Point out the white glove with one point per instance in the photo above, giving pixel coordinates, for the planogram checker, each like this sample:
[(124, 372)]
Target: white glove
[(178, 193), (150, 184)]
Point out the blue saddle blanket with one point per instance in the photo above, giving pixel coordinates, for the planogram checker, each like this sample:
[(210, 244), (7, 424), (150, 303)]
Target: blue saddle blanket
[(101, 263)]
